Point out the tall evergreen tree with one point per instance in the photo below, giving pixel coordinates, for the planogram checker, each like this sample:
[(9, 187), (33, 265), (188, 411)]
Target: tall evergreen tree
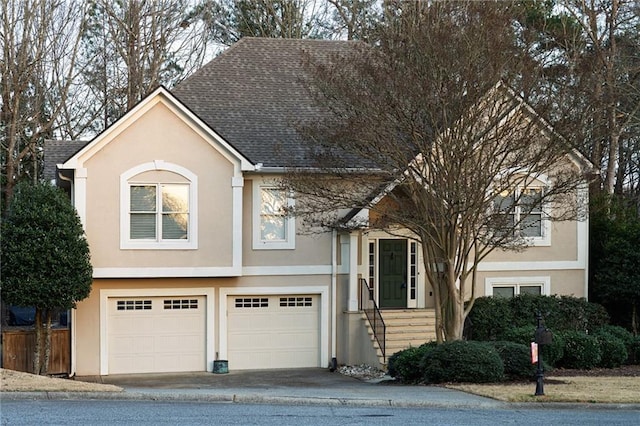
[(38, 43), (45, 259)]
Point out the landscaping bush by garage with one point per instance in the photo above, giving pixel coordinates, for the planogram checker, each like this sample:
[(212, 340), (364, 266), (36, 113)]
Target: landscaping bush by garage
[(581, 351), (553, 353), (462, 361), (516, 359), (405, 365)]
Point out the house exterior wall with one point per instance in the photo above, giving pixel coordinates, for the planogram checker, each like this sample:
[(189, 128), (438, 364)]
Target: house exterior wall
[(311, 249), (563, 247), (90, 324), (224, 260), (159, 135)]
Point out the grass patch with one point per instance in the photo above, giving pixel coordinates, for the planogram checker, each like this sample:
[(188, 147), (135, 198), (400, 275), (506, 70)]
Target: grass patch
[(621, 390), (16, 381)]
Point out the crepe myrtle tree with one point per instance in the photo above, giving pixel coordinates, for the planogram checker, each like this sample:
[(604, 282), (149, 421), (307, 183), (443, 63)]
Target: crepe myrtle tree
[(421, 130), (45, 259)]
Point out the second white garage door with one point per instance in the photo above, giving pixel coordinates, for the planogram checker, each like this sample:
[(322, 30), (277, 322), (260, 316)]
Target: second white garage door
[(273, 331), (156, 334)]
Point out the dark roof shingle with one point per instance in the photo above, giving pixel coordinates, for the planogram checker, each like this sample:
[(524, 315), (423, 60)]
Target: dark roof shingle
[(253, 96), (57, 152)]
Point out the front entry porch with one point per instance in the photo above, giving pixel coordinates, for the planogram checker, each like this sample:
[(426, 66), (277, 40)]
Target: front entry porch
[(386, 285), (392, 330)]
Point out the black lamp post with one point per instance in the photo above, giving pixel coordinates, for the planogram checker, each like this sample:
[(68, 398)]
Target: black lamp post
[(543, 337)]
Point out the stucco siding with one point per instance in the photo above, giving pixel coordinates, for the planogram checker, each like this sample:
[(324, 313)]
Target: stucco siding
[(311, 249), (159, 135)]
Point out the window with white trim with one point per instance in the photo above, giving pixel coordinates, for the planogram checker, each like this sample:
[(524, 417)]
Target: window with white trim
[(524, 207), (273, 228), (158, 210), (514, 286)]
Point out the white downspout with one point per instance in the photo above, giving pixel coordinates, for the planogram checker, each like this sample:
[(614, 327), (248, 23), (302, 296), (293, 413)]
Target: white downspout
[(334, 296)]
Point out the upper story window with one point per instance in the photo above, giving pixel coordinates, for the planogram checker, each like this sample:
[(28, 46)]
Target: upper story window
[(526, 213), (272, 227), (158, 209), (159, 212)]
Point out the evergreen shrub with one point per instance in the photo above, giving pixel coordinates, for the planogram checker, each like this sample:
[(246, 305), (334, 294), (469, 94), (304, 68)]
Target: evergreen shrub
[(483, 320), (492, 317), (516, 358), (405, 365), (614, 351), (581, 351), (462, 361)]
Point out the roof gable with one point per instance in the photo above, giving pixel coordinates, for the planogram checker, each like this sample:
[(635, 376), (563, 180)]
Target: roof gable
[(356, 218), (163, 96)]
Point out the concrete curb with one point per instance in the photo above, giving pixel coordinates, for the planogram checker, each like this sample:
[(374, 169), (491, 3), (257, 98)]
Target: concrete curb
[(243, 399), (301, 400)]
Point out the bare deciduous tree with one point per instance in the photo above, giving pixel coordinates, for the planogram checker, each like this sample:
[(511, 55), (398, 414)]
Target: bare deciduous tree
[(354, 19), (229, 20), (39, 45), (421, 132), (592, 81), (130, 47)]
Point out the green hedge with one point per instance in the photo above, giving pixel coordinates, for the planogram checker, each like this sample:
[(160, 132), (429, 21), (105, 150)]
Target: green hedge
[(613, 350), (516, 359), (462, 361), (581, 351), (492, 317)]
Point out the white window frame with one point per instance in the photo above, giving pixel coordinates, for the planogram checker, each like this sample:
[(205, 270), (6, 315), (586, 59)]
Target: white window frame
[(289, 222), (545, 223), (516, 282), (127, 180), (158, 211)]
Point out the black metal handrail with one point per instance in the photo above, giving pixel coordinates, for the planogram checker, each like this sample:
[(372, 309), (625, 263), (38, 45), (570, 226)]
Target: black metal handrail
[(370, 307)]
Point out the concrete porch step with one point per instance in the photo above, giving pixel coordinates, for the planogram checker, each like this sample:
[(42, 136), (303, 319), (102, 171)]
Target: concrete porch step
[(404, 328)]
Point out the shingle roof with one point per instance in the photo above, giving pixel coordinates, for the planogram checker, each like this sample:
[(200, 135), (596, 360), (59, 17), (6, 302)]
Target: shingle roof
[(56, 152), (252, 95)]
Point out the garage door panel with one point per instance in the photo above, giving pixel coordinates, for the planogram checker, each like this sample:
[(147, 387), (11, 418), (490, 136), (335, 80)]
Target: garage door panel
[(295, 340), (145, 337), (273, 332)]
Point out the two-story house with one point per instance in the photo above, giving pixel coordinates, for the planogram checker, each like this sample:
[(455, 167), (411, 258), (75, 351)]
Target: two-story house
[(194, 259)]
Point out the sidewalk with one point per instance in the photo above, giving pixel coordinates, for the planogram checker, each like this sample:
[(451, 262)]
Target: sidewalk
[(313, 386)]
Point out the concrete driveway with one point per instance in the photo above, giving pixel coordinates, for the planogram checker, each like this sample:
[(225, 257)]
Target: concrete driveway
[(309, 386), (249, 379)]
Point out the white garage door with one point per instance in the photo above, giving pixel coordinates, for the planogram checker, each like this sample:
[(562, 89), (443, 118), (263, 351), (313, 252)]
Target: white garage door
[(273, 331), (156, 334)]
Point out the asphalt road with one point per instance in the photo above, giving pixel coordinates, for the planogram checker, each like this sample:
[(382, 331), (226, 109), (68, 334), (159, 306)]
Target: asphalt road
[(101, 412)]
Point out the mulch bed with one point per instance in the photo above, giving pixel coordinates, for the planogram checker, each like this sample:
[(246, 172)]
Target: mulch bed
[(624, 371)]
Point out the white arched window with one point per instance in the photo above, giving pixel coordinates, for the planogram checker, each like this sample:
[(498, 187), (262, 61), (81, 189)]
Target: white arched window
[(158, 210)]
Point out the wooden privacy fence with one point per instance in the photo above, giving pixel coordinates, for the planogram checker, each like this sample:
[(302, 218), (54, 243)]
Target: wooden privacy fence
[(18, 346)]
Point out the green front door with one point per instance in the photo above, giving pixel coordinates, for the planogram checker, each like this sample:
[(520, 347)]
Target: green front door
[(393, 273)]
